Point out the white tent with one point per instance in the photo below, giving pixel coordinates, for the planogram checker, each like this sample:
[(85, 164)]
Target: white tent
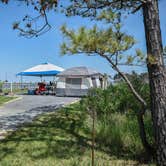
[(45, 69), (77, 81)]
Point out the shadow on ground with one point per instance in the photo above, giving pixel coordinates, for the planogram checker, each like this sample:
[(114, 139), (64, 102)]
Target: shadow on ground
[(60, 135), (14, 121), (52, 135)]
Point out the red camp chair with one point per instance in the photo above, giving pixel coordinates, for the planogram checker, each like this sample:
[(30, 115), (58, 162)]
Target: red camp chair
[(41, 89)]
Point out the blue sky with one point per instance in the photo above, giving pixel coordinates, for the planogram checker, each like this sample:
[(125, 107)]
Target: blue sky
[(19, 53)]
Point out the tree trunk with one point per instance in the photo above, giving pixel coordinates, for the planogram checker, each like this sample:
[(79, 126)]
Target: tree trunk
[(157, 77), (148, 148), (146, 145)]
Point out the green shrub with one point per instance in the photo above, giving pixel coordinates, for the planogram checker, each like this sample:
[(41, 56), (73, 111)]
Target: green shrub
[(1, 85), (117, 127)]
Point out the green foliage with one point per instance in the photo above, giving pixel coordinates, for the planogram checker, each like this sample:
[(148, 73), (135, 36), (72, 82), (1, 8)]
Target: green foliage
[(118, 97), (117, 129), (4, 99), (151, 59), (95, 41), (120, 135), (107, 15), (1, 86), (92, 9), (109, 43)]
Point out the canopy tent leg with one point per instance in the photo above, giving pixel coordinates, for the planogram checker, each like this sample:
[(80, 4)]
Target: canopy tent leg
[(11, 87), (21, 81), (54, 77)]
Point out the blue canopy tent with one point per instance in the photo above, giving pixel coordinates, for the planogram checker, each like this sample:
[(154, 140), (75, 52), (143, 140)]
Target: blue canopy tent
[(45, 69)]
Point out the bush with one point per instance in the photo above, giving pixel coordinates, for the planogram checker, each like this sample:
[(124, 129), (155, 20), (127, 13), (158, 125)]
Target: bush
[(117, 128), (1, 85)]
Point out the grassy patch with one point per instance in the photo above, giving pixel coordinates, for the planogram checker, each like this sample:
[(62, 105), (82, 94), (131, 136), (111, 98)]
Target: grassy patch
[(16, 91), (61, 138), (4, 99)]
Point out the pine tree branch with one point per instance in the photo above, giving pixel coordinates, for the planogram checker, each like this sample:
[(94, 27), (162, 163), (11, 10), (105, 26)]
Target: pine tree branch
[(135, 93), (35, 32)]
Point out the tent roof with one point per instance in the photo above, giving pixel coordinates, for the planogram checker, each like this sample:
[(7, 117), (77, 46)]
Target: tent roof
[(79, 71), (45, 69)]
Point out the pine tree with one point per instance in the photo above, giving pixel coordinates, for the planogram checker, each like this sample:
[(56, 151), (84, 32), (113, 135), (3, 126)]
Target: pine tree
[(111, 44), (155, 62)]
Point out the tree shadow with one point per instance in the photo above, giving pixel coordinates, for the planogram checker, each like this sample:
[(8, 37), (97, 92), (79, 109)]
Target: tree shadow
[(15, 121), (52, 135), (61, 134)]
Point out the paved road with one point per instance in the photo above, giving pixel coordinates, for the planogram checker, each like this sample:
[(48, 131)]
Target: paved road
[(27, 108)]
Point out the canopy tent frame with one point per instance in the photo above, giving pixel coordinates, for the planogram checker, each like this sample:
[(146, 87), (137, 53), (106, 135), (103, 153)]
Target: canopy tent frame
[(42, 70), (45, 69)]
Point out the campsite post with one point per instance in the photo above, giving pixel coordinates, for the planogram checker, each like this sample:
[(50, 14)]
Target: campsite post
[(93, 135), (92, 111)]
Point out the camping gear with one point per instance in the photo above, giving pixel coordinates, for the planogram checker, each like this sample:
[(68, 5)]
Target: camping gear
[(31, 92), (41, 89)]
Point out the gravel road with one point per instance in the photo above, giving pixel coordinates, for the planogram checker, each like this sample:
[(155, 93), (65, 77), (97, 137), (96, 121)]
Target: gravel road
[(27, 107)]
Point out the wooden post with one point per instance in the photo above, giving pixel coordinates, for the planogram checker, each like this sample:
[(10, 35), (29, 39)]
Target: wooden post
[(93, 135), (92, 111)]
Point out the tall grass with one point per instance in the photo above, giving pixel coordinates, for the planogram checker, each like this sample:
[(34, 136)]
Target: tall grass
[(117, 130), (120, 135)]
